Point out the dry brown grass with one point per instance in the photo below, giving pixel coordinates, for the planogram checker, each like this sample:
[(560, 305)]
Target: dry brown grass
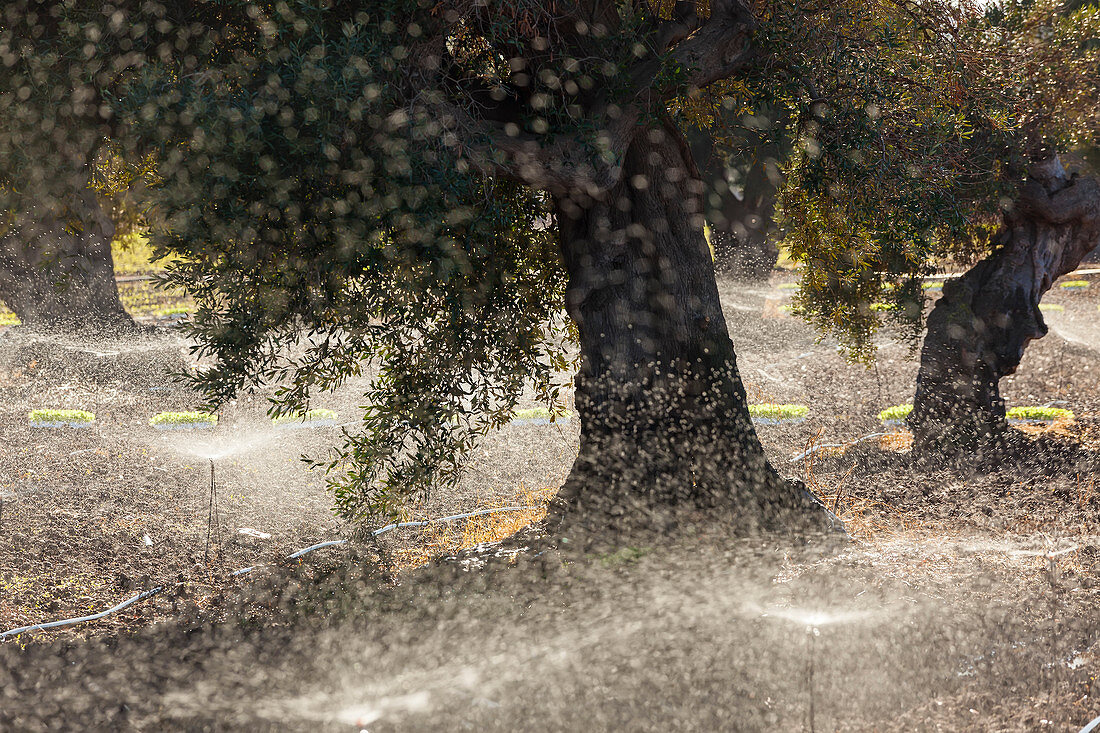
[(758, 395), (437, 540), (899, 442), (867, 520), (1062, 426)]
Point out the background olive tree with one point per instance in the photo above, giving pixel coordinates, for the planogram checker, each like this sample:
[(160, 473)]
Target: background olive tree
[(63, 191), (930, 137), (1047, 58)]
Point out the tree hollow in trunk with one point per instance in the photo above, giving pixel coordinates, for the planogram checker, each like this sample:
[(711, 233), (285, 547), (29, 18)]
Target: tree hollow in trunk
[(664, 415), (979, 329), (57, 272)]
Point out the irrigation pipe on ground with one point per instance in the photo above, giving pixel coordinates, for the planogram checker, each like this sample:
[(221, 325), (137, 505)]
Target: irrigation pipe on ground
[(82, 619), (293, 556), (1094, 725), (401, 525), (816, 448)]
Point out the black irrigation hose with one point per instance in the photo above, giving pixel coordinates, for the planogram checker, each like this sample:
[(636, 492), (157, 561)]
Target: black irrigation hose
[(331, 543)]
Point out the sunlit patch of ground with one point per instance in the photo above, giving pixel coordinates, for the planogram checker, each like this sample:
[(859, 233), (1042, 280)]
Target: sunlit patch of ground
[(438, 540), (1064, 426), (139, 293), (865, 519), (28, 599), (143, 299), (900, 441)]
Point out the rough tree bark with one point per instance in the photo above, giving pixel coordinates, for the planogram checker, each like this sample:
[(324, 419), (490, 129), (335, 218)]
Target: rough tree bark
[(57, 272), (985, 319), (664, 415)]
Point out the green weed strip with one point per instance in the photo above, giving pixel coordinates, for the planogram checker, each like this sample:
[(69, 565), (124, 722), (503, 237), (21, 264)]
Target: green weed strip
[(184, 421), (60, 418), (540, 416), (306, 420), (197, 420), (895, 416), (171, 313), (926, 285), (1074, 285), (1041, 415), (770, 414)]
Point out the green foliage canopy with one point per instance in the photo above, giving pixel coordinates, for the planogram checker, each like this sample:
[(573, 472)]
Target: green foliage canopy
[(333, 182), (328, 227), (913, 124)]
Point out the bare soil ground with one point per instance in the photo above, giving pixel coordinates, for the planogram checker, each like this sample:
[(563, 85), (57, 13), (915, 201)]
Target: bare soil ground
[(968, 600), (92, 516)]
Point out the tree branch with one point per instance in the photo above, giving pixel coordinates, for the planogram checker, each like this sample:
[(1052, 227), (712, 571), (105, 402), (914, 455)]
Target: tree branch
[(710, 48), (1052, 195), (554, 163), (720, 46)]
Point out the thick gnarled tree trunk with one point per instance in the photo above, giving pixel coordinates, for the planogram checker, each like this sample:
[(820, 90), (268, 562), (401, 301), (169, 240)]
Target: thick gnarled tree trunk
[(979, 329), (57, 272), (664, 416), (665, 427)]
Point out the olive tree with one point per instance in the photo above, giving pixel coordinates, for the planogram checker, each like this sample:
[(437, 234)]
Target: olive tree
[(1048, 53), (58, 63), (416, 191), (932, 135)]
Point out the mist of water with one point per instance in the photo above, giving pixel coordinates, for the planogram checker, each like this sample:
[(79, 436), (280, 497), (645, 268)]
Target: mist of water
[(219, 445)]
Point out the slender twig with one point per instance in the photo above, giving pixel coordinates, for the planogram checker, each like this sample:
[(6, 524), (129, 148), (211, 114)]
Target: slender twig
[(211, 513), (840, 487), (810, 634)]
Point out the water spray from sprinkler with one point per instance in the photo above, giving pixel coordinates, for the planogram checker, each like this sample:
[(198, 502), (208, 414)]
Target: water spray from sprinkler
[(812, 620), (1054, 577), (1052, 573)]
